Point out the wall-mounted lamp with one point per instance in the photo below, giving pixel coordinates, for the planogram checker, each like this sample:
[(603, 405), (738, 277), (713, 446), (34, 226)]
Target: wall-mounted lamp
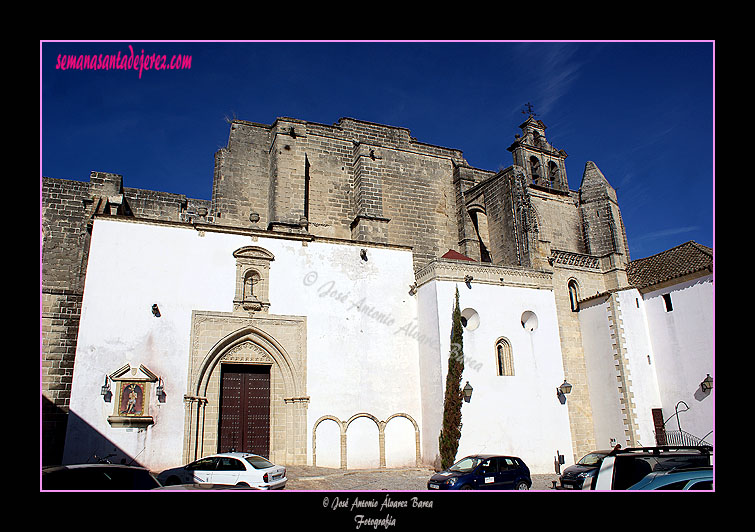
[(467, 391), (160, 390), (412, 289), (707, 384), (562, 391), (468, 280), (155, 311), (363, 254), (105, 390)]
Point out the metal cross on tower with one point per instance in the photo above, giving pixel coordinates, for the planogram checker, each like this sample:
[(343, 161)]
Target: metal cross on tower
[(528, 110)]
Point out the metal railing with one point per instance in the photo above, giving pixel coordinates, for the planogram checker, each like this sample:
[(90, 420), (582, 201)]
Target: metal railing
[(682, 437), (679, 437)]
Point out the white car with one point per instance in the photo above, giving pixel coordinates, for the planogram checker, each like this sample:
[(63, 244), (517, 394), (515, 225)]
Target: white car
[(234, 469)]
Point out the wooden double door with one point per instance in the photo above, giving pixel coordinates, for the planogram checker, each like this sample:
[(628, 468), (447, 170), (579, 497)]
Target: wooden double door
[(245, 409)]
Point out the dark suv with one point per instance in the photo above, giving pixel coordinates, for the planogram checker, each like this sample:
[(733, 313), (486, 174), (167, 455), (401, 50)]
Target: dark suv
[(483, 472), (621, 468), (581, 475), (98, 477)]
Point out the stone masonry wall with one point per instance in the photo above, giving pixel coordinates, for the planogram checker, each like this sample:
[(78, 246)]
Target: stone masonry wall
[(64, 243), (354, 179), (575, 371), (241, 182), (465, 179), (163, 205), (64, 233), (61, 310), (558, 221)]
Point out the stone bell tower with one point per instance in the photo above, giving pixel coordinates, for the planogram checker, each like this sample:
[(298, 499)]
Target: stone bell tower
[(543, 164)]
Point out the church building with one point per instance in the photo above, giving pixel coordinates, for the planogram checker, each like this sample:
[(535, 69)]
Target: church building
[(304, 312)]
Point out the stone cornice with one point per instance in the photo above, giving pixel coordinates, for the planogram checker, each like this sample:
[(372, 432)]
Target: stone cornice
[(483, 273), (581, 261), (202, 227)]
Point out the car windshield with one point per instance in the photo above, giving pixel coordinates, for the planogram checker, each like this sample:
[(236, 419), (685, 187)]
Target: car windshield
[(466, 465), (591, 459), (258, 462)]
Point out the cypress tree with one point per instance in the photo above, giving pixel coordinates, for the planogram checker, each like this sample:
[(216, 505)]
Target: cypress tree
[(450, 433)]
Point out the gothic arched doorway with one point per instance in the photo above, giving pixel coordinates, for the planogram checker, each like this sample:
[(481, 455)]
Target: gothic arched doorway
[(247, 391)]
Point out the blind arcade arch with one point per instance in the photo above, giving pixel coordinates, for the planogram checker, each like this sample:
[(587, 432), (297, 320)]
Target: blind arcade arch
[(343, 428)]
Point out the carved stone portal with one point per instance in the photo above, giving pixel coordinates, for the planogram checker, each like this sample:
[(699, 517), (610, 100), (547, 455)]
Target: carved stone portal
[(236, 338)]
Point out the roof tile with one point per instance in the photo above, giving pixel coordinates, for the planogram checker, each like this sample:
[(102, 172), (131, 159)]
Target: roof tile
[(681, 260)]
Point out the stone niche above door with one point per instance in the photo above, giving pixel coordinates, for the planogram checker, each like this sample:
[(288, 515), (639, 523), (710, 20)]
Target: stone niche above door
[(252, 279)]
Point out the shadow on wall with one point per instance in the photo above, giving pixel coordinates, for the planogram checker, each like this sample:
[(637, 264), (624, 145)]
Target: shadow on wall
[(54, 421), (90, 445)]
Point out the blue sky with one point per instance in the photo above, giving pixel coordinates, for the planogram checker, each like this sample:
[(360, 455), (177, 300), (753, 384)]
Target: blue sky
[(642, 111)]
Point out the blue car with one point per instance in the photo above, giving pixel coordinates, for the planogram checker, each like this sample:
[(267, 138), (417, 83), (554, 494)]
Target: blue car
[(690, 479), (483, 472)]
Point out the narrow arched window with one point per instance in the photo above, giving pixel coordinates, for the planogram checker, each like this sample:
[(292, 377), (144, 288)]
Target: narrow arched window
[(574, 295), (504, 357), (480, 222), (535, 168), (553, 172)]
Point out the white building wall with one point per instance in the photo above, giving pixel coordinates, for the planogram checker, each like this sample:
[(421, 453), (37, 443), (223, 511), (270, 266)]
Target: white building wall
[(640, 358), (357, 362), (131, 267), (432, 380), (683, 342), (599, 345), (601, 374), (668, 354), (519, 414)]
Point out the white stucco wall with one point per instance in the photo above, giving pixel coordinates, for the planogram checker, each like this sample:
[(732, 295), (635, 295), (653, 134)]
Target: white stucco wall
[(683, 343), (641, 360), (599, 349), (668, 354), (131, 267), (597, 345), (356, 361), (519, 414), (432, 380)]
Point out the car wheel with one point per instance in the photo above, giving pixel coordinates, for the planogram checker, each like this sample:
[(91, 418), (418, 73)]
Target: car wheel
[(466, 487), (243, 484), (173, 481), (522, 485)]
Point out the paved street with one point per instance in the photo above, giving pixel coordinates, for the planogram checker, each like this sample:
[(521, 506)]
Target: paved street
[(407, 479)]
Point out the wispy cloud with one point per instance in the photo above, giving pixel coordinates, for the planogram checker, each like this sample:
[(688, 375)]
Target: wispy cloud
[(559, 72), (554, 69), (651, 139), (666, 232)]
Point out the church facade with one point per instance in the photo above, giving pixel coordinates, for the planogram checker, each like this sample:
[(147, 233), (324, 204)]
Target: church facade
[(304, 312)]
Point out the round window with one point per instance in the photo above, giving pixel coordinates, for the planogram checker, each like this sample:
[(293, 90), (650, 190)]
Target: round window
[(470, 319), (529, 320)]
